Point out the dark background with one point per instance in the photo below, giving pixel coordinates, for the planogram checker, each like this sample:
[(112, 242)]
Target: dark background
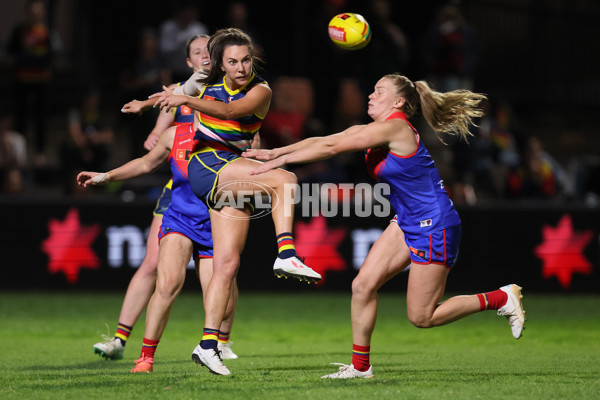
[(540, 57)]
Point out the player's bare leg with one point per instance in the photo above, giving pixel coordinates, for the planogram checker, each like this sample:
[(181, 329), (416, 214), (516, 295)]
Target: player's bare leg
[(229, 230), (174, 256), (204, 270), (388, 257), (277, 184), (136, 298)]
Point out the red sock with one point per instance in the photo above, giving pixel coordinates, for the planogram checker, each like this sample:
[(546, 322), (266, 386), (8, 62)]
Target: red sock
[(360, 357), (492, 300), (149, 347)]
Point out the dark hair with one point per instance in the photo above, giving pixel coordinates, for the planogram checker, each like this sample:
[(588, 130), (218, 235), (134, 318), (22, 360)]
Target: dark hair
[(216, 46), (449, 112), (189, 43)]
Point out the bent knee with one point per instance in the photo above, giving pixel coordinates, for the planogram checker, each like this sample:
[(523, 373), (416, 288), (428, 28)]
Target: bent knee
[(420, 320), (287, 177)]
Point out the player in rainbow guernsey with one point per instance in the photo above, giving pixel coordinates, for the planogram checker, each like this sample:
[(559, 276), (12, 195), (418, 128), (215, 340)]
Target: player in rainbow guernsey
[(143, 281), (426, 232), (231, 135), (231, 108)]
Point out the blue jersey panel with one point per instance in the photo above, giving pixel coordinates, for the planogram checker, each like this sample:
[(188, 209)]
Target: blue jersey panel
[(186, 213), (417, 192)]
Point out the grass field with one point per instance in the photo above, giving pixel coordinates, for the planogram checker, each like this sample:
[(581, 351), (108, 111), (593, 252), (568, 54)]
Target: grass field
[(286, 342)]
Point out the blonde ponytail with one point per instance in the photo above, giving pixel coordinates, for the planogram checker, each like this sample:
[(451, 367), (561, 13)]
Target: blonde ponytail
[(449, 112)]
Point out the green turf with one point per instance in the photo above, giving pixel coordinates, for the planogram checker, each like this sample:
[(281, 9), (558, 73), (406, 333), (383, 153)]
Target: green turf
[(286, 342)]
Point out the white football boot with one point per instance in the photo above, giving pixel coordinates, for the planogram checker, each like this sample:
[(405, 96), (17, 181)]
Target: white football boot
[(111, 348), (211, 359), (349, 372), (226, 351), (294, 267), (513, 309)]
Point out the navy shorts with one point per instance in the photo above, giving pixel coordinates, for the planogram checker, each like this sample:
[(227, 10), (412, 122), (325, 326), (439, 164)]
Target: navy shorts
[(441, 247), (203, 171)]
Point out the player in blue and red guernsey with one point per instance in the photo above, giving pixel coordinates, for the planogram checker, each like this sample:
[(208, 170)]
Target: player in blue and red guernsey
[(185, 232), (426, 232)]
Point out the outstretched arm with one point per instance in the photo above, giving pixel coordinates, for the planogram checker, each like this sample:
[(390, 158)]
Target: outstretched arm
[(357, 137), (134, 168), (139, 106)]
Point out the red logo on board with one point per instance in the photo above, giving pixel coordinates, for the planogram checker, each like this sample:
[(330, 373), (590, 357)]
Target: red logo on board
[(318, 244), (562, 251), (69, 246)]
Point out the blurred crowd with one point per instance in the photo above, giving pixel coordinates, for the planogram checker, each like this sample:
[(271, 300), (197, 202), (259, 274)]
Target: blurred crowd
[(502, 161)]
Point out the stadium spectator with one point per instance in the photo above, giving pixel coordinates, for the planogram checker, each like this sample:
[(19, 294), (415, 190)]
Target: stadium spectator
[(450, 50), (389, 50), (237, 17), (480, 166), (89, 141), (426, 232), (290, 119), (13, 157), (173, 35), (30, 46), (226, 128), (148, 73), (537, 176)]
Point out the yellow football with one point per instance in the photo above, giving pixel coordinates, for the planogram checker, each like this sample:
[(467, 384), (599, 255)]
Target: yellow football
[(350, 31)]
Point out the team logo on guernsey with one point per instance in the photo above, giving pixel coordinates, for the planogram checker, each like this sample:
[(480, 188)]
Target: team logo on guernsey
[(213, 98), (426, 222), (182, 154), (185, 110)]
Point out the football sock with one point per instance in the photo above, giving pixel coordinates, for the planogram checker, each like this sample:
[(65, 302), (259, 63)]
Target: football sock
[(223, 337), (209, 338), (492, 300), (149, 347), (285, 245), (123, 332), (360, 357)]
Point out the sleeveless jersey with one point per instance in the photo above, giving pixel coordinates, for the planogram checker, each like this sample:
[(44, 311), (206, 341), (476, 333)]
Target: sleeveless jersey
[(417, 192), (234, 135), (185, 206), (183, 114)]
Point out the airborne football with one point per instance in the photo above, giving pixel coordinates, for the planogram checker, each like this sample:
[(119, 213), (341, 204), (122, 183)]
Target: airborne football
[(350, 31)]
